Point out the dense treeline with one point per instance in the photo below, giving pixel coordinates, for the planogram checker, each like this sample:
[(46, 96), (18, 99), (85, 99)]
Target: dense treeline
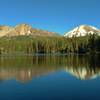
[(86, 44), (29, 44), (32, 45)]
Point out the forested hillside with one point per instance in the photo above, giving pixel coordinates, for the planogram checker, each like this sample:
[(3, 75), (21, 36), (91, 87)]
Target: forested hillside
[(49, 45)]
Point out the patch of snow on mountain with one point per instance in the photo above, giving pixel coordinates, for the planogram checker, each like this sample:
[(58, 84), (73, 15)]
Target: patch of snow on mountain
[(82, 30)]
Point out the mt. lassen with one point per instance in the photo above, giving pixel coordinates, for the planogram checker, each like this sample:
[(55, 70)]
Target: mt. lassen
[(82, 30)]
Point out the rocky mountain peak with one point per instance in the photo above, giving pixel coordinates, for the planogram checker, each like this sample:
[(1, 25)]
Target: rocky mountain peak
[(82, 30), (23, 29)]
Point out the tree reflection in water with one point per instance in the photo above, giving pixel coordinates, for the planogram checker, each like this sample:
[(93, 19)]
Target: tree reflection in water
[(25, 68)]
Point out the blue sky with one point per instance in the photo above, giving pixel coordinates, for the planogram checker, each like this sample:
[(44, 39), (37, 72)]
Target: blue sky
[(52, 15)]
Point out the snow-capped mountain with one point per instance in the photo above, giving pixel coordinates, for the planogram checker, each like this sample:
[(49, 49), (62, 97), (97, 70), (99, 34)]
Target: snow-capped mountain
[(82, 30)]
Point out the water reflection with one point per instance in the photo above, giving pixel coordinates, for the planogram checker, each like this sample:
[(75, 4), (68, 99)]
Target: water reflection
[(25, 68), (84, 67)]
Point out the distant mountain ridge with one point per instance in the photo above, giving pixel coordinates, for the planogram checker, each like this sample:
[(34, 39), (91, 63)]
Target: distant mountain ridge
[(26, 30), (23, 29), (82, 30)]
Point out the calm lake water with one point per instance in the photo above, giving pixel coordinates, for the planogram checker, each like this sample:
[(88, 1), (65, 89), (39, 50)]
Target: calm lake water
[(71, 77)]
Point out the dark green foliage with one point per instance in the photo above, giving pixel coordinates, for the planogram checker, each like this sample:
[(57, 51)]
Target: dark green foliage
[(86, 44), (32, 45), (49, 45)]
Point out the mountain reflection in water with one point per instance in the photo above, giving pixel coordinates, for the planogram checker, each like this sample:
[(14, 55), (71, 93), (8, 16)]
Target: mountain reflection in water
[(25, 68)]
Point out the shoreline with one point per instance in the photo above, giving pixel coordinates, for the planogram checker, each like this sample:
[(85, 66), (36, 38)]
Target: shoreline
[(49, 54)]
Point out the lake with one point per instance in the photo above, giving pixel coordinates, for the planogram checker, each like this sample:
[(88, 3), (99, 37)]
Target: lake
[(58, 77)]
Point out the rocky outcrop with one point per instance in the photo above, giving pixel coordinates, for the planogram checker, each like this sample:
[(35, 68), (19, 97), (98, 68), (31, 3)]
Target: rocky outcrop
[(23, 29)]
